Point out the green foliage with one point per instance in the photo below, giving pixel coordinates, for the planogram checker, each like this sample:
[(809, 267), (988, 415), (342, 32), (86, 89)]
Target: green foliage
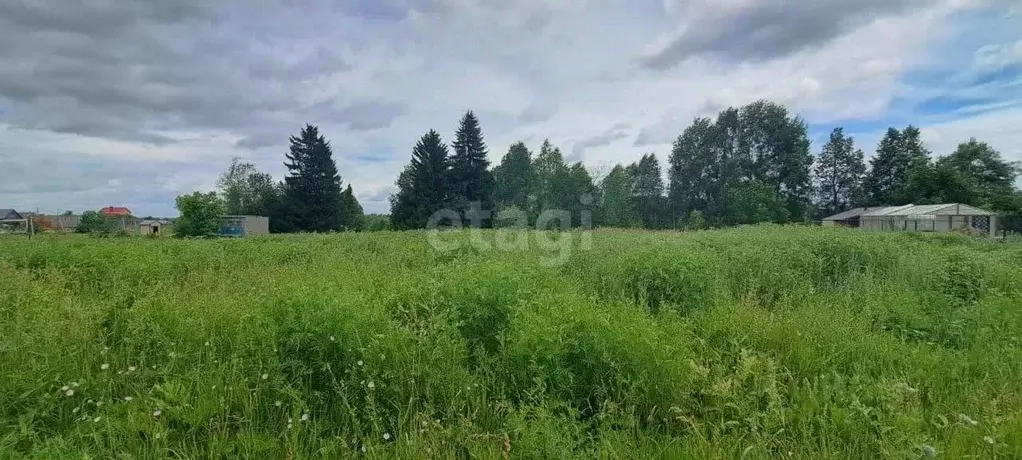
[(351, 211), (648, 192), (470, 179), (617, 208), (423, 187), (376, 222), (754, 341), (839, 174), (94, 223), (514, 178), (753, 202), (312, 199), (760, 142), (201, 214)]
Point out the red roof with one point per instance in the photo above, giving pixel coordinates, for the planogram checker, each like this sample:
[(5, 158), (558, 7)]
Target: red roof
[(115, 211)]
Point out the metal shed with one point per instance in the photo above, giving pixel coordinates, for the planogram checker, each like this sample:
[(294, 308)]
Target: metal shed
[(849, 218), (245, 226), (931, 218)]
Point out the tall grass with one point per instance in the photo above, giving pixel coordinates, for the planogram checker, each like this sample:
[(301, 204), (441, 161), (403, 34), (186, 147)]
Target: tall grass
[(765, 342)]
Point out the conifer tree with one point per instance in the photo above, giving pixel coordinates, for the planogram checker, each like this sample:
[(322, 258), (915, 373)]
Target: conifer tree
[(313, 186)]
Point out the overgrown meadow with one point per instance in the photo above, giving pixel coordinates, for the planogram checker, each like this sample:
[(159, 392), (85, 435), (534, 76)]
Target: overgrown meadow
[(763, 342)]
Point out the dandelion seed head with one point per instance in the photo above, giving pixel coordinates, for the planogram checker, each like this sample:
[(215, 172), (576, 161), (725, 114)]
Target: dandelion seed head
[(386, 436), (928, 451), (360, 362)]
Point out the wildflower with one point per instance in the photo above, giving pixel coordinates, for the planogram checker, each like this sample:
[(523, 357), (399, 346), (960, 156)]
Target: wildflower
[(266, 376), (989, 440), (99, 404), (157, 412), (74, 384), (363, 448), (128, 398), (278, 403), (97, 419), (104, 366), (386, 436), (928, 451), (289, 420), (290, 425), (69, 393), (156, 436), (207, 344), (332, 338), (371, 385), (64, 388), (120, 372), (360, 362), (425, 423), (131, 368), (305, 417)]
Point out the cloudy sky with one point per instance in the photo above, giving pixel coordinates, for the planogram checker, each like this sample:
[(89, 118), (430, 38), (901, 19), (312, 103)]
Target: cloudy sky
[(132, 102)]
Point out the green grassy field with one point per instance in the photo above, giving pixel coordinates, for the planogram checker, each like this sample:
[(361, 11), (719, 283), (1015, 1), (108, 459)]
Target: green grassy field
[(765, 342)]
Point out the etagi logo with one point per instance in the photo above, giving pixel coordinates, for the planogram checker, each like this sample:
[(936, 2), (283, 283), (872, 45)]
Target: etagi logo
[(555, 232)]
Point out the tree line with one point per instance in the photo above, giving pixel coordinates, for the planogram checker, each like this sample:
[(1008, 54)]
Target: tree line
[(747, 165)]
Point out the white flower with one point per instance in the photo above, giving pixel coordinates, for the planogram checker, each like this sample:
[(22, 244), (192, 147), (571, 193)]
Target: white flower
[(289, 420), (98, 404), (120, 372), (278, 403), (363, 448), (305, 417), (69, 393), (97, 419), (104, 366), (290, 425), (332, 338), (371, 385), (989, 440), (64, 388), (360, 362), (425, 423), (74, 384), (266, 376), (128, 398), (157, 412), (131, 368), (207, 344), (386, 436)]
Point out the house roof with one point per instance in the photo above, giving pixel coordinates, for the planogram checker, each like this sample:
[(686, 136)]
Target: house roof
[(946, 209), (852, 213), (6, 212), (154, 221), (118, 210)]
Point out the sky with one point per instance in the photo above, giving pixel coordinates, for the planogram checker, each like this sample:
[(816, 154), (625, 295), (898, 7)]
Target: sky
[(133, 102)]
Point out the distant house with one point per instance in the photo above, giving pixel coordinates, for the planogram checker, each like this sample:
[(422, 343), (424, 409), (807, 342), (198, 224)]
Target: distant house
[(10, 214), (154, 227), (115, 211)]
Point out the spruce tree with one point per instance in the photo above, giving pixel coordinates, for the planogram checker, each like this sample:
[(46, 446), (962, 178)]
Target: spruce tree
[(351, 210), (648, 191), (899, 154), (514, 178), (551, 179), (617, 208), (423, 186), (470, 178), (839, 172), (313, 187)]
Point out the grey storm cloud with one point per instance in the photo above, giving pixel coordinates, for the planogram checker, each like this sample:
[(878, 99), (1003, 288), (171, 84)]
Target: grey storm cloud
[(616, 132), (130, 69), (770, 29)]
